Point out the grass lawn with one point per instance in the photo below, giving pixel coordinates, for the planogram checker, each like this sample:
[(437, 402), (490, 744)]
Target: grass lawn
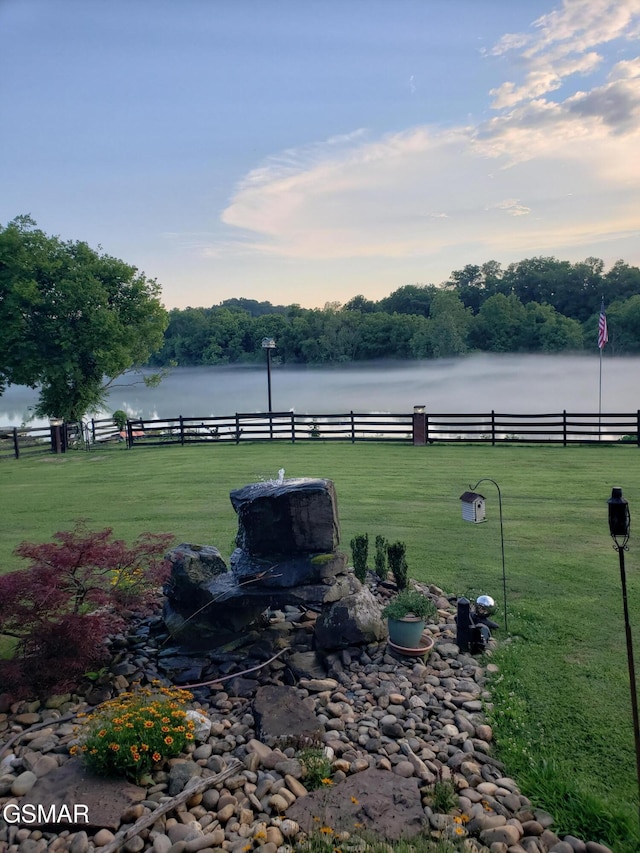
[(562, 701)]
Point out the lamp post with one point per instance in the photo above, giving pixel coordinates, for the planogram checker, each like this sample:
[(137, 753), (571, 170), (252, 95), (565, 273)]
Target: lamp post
[(504, 574), (268, 344), (619, 527)]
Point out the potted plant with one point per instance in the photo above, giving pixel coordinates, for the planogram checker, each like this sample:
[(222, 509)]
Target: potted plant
[(407, 614)]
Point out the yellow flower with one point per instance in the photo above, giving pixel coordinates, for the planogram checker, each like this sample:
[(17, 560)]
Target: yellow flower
[(148, 724), (102, 733), (327, 781), (168, 740), (156, 757), (114, 746), (188, 736), (326, 830), (460, 831), (353, 800)]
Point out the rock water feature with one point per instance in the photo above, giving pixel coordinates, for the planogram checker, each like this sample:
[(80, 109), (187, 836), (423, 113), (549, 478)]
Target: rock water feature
[(390, 727), (288, 535)]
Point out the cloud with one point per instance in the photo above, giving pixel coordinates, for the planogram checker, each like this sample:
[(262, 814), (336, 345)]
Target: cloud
[(563, 173), (563, 45), (511, 206)]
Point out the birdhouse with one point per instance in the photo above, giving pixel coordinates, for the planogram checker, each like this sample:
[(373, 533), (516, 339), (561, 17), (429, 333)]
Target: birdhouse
[(472, 507)]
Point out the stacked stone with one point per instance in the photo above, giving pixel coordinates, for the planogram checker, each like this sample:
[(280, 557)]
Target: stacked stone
[(287, 554), (391, 728)]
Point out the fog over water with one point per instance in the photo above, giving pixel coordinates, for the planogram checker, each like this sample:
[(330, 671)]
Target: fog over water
[(522, 384)]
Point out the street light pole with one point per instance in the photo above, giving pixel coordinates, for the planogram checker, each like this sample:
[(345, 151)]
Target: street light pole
[(619, 527), (504, 574), (268, 344)]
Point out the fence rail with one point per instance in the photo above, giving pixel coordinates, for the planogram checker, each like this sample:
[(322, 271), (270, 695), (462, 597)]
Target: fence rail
[(564, 428)]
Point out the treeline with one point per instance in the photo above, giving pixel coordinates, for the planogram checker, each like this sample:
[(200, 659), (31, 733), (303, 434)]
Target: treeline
[(538, 304)]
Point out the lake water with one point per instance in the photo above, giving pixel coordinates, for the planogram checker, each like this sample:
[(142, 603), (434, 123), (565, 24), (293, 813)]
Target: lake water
[(524, 384)]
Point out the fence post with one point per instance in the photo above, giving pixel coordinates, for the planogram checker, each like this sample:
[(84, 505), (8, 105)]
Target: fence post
[(493, 428), (93, 430), (181, 431), (353, 428), (293, 428), (237, 429), (129, 434), (16, 443), (419, 425), (564, 427), (638, 427)]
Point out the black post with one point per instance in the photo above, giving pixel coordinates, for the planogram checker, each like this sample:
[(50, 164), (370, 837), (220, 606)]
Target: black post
[(269, 376), (463, 619), (631, 667), (619, 528)]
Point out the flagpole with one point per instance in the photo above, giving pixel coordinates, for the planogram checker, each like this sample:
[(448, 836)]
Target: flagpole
[(603, 337), (600, 398)]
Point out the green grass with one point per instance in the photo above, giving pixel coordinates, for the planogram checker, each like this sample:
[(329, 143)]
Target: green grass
[(564, 690)]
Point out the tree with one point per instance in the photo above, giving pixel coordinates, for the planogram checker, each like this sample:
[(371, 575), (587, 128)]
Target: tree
[(498, 325), (449, 325), (409, 299), (73, 319)]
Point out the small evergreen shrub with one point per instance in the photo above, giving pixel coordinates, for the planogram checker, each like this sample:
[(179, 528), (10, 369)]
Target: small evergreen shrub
[(128, 735), (396, 553), (380, 559), (360, 552)]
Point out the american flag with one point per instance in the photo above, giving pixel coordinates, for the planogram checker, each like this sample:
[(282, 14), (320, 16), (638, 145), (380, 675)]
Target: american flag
[(603, 333)]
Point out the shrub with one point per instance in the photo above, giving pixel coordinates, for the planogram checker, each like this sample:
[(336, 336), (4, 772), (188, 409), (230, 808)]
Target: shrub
[(381, 557), (410, 601), (396, 552), (128, 735), (62, 608), (360, 552), (120, 419)]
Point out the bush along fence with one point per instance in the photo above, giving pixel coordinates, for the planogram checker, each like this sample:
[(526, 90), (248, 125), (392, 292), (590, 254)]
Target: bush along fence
[(418, 428)]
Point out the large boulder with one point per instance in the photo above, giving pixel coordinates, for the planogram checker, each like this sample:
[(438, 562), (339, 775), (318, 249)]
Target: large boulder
[(193, 567), (295, 516), (382, 803), (350, 621)]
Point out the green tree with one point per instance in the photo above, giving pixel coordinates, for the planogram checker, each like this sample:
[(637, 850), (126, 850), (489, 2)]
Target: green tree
[(449, 325), (409, 299), (498, 324), (72, 319)]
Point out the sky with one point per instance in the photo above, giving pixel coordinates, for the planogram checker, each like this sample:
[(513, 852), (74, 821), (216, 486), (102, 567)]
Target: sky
[(305, 151)]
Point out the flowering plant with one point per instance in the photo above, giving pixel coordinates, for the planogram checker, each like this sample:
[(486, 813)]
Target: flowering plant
[(131, 733)]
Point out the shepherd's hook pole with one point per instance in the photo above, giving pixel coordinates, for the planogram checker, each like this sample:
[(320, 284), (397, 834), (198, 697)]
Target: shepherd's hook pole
[(504, 574)]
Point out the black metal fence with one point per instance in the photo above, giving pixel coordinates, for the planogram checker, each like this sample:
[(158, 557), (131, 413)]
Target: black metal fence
[(417, 428)]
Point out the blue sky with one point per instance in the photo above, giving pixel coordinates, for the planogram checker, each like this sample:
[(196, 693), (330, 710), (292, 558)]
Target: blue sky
[(310, 150)]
